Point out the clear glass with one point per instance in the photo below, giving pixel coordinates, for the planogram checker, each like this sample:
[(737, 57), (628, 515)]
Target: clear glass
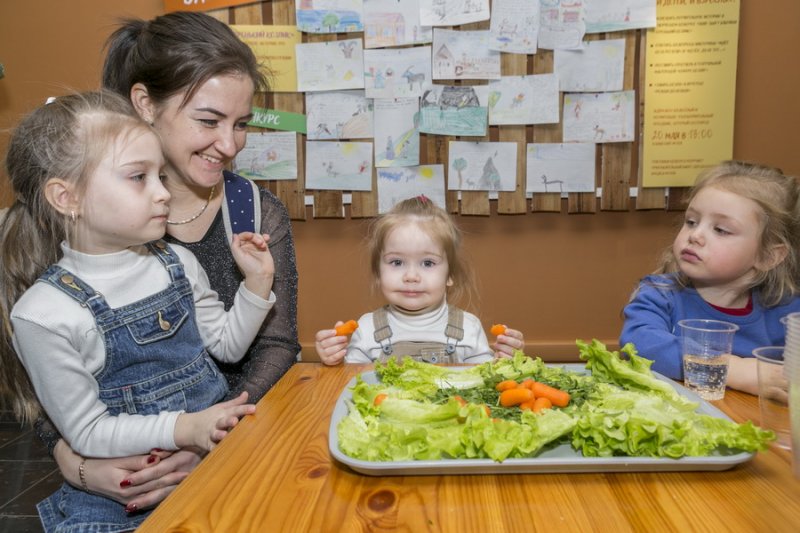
[(707, 346), (773, 393)]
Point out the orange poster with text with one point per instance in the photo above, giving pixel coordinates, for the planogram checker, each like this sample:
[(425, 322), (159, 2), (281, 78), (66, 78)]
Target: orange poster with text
[(201, 5)]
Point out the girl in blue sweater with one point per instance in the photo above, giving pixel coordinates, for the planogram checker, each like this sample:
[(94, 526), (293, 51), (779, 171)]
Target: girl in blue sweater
[(735, 259)]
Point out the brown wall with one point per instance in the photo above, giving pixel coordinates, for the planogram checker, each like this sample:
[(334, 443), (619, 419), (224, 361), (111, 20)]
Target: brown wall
[(557, 277)]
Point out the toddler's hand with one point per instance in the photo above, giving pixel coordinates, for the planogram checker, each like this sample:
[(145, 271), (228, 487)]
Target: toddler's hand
[(331, 348), (206, 428), (252, 256), (506, 343)]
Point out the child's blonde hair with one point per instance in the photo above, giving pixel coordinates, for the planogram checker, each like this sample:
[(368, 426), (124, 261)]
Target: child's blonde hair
[(67, 139), (778, 196), (438, 224)]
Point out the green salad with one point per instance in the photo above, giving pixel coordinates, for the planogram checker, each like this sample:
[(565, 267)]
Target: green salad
[(420, 411)]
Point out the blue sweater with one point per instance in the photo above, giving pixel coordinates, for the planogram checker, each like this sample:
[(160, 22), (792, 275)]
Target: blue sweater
[(651, 321)]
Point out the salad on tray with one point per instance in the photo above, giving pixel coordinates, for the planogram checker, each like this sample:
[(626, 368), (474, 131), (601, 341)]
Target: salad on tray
[(516, 408)]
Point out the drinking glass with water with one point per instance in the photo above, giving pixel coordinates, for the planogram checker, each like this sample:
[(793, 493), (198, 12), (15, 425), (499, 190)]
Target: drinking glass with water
[(707, 346)]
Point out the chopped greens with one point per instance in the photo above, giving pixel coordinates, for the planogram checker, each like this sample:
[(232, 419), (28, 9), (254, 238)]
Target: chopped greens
[(432, 412)]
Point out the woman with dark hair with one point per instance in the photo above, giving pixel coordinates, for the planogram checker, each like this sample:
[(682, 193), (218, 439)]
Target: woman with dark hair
[(191, 78)]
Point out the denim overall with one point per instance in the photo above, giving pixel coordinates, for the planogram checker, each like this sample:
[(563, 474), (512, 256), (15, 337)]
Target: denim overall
[(155, 361)]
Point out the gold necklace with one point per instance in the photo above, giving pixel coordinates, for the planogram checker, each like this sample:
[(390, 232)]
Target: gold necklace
[(193, 217)]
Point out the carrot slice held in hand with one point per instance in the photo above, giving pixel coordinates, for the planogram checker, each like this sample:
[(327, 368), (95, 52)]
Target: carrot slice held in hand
[(347, 328), (497, 329)]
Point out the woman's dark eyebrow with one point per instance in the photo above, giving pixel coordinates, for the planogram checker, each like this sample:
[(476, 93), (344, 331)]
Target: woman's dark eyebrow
[(220, 114)]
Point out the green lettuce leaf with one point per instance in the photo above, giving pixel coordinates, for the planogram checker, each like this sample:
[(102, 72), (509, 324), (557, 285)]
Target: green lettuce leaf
[(631, 374)]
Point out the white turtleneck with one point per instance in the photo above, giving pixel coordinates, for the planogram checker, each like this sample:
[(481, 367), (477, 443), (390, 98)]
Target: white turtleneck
[(56, 340), (427, 327)]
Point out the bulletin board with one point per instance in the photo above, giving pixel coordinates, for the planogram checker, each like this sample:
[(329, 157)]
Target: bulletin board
[(617, 164)]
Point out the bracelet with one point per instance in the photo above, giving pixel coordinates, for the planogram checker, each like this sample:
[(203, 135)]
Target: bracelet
[(82, 474)]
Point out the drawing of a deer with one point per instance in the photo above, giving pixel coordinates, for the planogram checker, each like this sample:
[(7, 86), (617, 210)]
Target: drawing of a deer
[(412, 78), (547, 182)]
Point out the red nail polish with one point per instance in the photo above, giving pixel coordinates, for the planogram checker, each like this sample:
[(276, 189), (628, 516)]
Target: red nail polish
[(125, 483), (151, 459), (130, 508)]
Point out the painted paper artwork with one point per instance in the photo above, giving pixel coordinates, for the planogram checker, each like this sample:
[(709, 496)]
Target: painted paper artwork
[(514, 26), (329, 16), (274, 48), (599, 117), (396, 132), (461, 55), (619, 15), (268, 156), (482, 166), (452, 12), (561, 168), (398, 184), (330, 66), (454, 110), (394, 73), (598, 67), (339, 115), (561, 24), (393, 23), (524, 100), (339, 165)]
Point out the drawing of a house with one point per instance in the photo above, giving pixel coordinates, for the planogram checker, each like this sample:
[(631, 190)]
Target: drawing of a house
[(445, 61), (385, 29)]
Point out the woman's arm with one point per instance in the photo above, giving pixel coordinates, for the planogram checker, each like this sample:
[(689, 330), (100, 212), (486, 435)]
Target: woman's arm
[(275, 348)]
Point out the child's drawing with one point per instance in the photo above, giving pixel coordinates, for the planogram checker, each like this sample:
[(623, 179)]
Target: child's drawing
[(482, 166), (393, 23), (561, 24), (397, 184), (268, 156), (461, 55), (515, 26), (561, 168), (397, 73), (396, 132), (339, 165), (524, 100), (328, 66), (329, 16), (619, 15), (599, 117), (598, 67), (452, 12), (338, 115), (454, 110)]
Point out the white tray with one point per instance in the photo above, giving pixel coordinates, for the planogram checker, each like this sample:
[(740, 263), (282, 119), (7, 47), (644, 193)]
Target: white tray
[(560, 459)]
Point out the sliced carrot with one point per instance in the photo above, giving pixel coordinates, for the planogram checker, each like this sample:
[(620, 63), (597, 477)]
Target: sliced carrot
[(557, 397), (497, 329), (347, 328), (540, 404), (461, 401), (505, 385), (527, 406), (513, 397), (487, 410), (379, 398), (528, 383)]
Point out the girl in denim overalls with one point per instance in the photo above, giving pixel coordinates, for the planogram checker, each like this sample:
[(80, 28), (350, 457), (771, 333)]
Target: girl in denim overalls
[(416, 260), (117, 334)]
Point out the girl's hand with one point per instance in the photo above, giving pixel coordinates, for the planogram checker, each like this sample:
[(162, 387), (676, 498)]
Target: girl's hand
[(743, 374), (506, 343), (206, 428), (331, 348), (252, 256)]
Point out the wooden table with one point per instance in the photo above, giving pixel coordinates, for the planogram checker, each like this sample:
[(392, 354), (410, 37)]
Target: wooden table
[(274, 473)]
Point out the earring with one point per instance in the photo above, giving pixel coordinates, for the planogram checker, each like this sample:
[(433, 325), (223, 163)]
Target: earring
[(72, 216)]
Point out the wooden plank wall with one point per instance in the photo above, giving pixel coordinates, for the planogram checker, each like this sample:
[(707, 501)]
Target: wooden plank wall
[(618, 168)]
